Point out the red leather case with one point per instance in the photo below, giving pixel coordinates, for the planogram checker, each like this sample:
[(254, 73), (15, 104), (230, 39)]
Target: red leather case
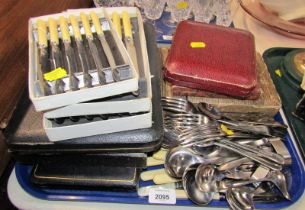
[(225, 65)]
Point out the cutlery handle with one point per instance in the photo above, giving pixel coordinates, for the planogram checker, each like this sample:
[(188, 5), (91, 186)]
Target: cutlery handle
[(181, 194), (53, 31), (117, 23), (268, 155), (268, 164), (86, 25), (126, 25), (164, 179), (160, 155), (96, 23), (232, 164), (153, 162), (64, 29), (76, 31), (42, 33), (149, 175), (225, 184)]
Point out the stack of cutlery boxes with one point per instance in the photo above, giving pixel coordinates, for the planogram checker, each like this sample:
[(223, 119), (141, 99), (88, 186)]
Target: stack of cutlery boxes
[(116, 98)]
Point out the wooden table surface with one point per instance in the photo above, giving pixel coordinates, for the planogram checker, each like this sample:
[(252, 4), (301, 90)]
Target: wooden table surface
[(14, 16)]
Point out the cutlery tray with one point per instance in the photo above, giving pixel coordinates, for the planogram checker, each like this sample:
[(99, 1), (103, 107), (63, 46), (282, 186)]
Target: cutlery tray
[(125, 102), (103, 100), (47, 102)]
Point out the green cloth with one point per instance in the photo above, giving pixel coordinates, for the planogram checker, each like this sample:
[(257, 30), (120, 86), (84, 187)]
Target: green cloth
[(287, 82)]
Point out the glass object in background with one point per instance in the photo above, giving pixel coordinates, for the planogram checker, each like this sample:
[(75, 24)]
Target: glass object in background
[(222, 12), (202, 10), (139, 3), (113, 3), (266, 14), (153, 9), (287, 10), (180, 10)]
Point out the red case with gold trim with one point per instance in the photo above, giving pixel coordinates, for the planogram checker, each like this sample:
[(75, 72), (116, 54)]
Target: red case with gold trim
[(224, 64)]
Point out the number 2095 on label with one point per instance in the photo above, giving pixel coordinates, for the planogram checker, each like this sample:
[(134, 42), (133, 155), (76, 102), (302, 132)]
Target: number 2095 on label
[(162, 196)]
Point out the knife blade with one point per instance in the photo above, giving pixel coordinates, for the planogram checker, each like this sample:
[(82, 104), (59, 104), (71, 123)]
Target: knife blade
[(93, 48), (97, 25), (128, 39), (83, 58), (69, 54), (56, 59)]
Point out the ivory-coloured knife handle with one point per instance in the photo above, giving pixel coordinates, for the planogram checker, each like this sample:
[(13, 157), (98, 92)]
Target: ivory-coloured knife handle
[(75, 26), (181, 194), (117, 23), (153, 162), (96, 23), (64, 29), (160, 154), (53, 31), (42, 33), (149, 175), (86, 25), (126, 24), (163, 179)]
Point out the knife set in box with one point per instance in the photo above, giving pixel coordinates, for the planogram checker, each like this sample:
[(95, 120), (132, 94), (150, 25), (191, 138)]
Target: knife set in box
[(83, 78), (29, 143)]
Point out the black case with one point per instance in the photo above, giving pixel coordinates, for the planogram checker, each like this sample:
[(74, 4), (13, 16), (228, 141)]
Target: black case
[(91, 177), (27, 140)]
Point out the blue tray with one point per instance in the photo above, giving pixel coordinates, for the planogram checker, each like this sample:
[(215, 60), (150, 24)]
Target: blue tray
[(23, 172)]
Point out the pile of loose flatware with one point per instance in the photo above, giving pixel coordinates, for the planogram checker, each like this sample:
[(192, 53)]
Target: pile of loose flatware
[(215, 157)]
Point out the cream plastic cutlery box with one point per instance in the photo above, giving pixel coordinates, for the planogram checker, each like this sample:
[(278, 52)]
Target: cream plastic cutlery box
[(76, 103), (43, 103)]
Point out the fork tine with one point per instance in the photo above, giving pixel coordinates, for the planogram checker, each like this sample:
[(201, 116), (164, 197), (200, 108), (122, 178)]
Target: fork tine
[(173, 104), (174, 99), (174, 109), (187, 115), (182, 106)]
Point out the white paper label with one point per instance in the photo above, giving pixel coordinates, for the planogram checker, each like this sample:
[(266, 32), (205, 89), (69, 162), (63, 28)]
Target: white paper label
[(162, 196)]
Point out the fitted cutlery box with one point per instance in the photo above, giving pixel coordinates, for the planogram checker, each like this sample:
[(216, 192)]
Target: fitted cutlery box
[(29, 143), (79, 67)]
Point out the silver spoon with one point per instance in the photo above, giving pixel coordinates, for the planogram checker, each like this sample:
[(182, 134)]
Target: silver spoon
[(240, 198), (192, 191), (276, 177), (206, 178), (178, 159)]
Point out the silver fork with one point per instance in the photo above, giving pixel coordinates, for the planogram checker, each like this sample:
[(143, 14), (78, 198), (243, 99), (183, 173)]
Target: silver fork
[(189, 117), (178, 105)]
